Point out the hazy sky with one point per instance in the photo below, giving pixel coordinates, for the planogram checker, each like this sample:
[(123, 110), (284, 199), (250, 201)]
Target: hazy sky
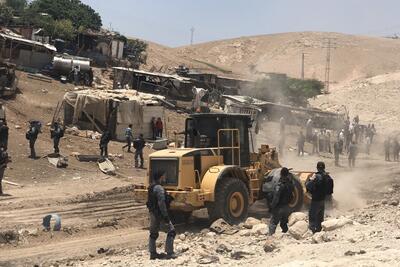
[(168, 22)]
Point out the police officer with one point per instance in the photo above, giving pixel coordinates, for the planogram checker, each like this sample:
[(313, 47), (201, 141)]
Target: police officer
[(300, 144), (56, 133), (320, 186), (104, 140), (139, 144), (158, 203), (3, 166), (280, 202), (336, 151), (32, 135), (3, 134)]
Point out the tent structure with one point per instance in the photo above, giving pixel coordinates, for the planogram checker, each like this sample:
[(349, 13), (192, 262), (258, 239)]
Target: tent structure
[(114, 110)]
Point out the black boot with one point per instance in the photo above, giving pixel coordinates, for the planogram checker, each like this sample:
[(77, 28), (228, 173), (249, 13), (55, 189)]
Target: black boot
[(155, 256)]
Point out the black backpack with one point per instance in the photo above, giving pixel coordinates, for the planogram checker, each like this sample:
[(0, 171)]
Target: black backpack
[(328, 184), (152, 203)]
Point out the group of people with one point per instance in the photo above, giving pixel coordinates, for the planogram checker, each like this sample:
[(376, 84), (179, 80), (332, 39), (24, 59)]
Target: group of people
[(320, 186), (138, 144), (392, 147), (348, 139), (157, 128)]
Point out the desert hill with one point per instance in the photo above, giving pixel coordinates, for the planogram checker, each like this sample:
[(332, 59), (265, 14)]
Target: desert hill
[(353, 57)]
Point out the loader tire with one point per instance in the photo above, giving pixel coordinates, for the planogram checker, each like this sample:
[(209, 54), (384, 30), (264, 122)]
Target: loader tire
[(231, 201), (298, 196)]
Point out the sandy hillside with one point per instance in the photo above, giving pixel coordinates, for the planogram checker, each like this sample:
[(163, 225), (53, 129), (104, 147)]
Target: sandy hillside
[(354, 56), (374, 99)]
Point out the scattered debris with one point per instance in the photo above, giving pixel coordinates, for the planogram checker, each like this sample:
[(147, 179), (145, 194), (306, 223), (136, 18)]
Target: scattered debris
[(47, 222), (106, 166), (352, 253)]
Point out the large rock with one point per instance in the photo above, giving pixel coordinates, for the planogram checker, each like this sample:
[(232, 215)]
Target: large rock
[(250, 222), (320, 237), (269, 245), (220, 226), (296, 217), (259, 229), (298, 229), (334, 224)]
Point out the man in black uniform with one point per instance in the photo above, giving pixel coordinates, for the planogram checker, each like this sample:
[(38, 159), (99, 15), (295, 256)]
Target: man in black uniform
[(320, 185), (280, 203), (3, 134), (300, 144), (104, 140), (3, 166), (56, 134), (139, 144), (353, 150), (336, 152), (158, 203), (32, 135)]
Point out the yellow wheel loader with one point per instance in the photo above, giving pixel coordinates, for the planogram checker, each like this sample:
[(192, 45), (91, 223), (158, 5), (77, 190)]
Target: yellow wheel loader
[(217, 171)]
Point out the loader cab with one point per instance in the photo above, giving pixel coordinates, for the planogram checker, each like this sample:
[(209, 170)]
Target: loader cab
[(222, 132)]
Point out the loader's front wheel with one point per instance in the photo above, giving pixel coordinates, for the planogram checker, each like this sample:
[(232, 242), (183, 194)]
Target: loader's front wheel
[(298, 196), (231, 201)]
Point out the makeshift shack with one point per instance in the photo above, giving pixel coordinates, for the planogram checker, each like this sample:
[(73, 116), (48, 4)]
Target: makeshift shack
[(113, 109)]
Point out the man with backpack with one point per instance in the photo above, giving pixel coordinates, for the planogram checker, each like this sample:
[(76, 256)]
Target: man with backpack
[(128, 137), (320, 186), (104, 140), (3, 134), (158, 203), (3, 165), (279, 207), (32, 135), (56, 133), (139, 144)]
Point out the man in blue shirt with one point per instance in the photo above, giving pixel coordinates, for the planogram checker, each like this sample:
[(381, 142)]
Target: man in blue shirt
[(129, 138)]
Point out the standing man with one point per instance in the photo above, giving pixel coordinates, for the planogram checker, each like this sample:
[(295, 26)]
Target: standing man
[(56, 133), (341, 140), (282, 125), (159, 127), (309, 130), (353, 151), (32, 135), (104, 140), (320, 185), (128, 137), (300, 144), (3, 134), (280, 209), (315, 143), (387, 149), (139, 144), (153, 128), (396, 150), (336, 152), (3, 166), (76, 73), (158, 204)]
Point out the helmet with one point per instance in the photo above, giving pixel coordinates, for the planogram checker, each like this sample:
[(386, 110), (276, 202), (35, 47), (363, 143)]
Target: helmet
[(320, 165), (284, 172)]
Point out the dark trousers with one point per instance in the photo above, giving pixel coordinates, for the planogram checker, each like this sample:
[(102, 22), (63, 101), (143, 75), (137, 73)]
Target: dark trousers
[(56, 142), (336, 158), (155, 132), (155, 222), (352, 162), (316, 215), (2, 169), (387, 155), (159, 133), (104, 150), (279, 215), (300, 150), (32, 142), (139, 155), (128, 143)]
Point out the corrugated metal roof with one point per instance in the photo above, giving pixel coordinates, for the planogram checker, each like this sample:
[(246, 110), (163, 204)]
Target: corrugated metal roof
[(154, 74), (23, 40)]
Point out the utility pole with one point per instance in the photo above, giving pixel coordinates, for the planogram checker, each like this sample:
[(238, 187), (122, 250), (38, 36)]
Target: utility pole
[(329, 45), (191, 35)]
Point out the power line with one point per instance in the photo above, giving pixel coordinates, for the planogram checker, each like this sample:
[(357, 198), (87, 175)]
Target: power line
[(191, 35), (329, 45)]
